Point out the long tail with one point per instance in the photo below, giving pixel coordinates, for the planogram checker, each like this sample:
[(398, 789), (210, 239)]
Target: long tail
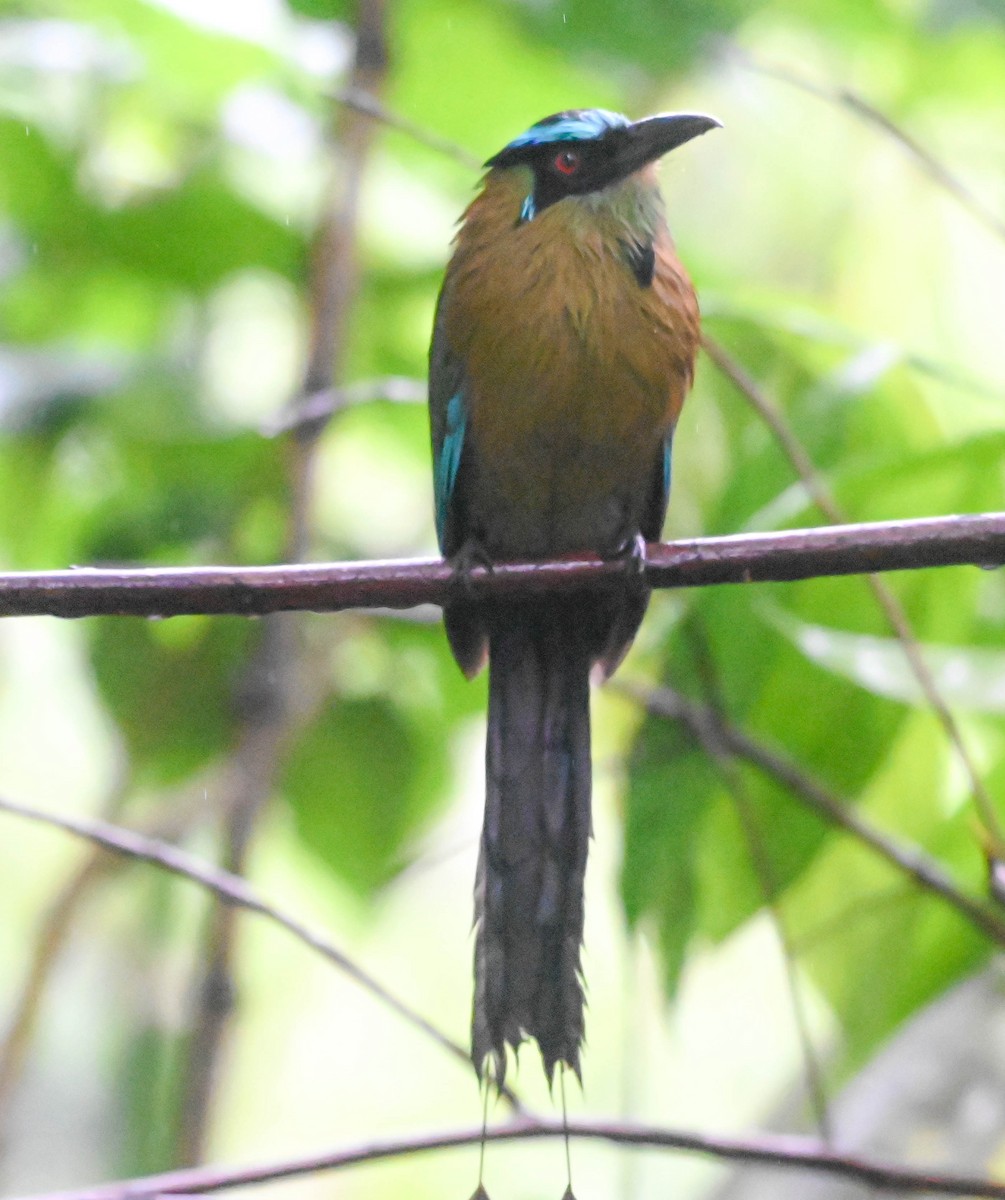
[(529, 890)]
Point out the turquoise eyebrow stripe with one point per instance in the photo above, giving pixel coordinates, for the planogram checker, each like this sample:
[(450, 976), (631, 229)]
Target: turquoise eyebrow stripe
[(593, 123)]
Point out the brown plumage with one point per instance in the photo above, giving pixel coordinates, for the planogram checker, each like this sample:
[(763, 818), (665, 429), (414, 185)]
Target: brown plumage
[(565, 342), (582, 409)]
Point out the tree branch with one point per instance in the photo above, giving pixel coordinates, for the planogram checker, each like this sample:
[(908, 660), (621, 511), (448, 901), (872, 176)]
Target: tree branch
[(237, 892), (845, 97), (977, 540), (761, 862), (272, 675), (888, 603), (177, 815), (775, 1151), (717, 736), (315, 409)]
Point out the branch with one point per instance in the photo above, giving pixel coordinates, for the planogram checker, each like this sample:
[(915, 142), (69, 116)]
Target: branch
[(890, 606), (272, 674), (845, 97), (775, 1151), (974, 540), (167, 824), (318, 407), (718, 737), (235, 891), (369, 106), (759, 854)]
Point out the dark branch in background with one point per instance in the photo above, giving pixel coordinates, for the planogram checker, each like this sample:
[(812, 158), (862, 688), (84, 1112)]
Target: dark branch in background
[(888, 603), (267, 695), (249, 775), (718, 737), (768, 1151), (974, 540), (236, 893), (774, 1151)]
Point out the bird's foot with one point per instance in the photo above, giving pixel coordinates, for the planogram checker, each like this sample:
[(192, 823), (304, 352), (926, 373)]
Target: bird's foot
[(471, 554), (632, 553)]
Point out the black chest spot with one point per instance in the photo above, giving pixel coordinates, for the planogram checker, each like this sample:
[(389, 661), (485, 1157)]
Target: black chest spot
[(641, 260)]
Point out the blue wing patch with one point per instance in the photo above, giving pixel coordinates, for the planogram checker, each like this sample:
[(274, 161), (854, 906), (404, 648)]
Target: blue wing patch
[(448, 460)]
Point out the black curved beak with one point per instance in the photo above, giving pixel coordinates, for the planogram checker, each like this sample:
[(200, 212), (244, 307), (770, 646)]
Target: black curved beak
[(644, 141)]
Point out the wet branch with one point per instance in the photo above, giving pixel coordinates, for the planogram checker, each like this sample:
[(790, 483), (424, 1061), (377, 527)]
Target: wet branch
[(976, 540)]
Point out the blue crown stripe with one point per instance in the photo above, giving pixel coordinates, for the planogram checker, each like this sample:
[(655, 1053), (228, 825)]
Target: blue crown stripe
[(574, 127)]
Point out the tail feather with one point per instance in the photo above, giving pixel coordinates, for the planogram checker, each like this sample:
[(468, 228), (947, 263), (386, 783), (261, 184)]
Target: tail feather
[(529, 890)]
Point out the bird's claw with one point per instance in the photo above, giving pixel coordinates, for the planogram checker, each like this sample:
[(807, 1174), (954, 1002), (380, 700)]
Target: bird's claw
[(471, 554), (632, 553)]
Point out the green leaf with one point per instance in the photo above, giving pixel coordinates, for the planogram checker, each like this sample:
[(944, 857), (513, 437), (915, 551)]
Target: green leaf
[(170, 687), (355, 783), (836, 732), (665, 822), (645, 31), (191, 236), (322, 10)]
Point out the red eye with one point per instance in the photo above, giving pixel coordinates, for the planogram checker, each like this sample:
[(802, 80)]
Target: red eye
[(567, 162)]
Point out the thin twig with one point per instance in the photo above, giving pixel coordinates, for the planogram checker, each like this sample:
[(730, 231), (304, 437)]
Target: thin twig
[(177, 815), (366, 103), (319, 407), (847, 98), (775, 1151), (708, 727), (764, 870), (237, 892), (890, 606), (46, 947)]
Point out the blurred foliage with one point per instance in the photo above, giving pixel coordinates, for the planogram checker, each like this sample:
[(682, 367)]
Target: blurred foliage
[(162, 167)]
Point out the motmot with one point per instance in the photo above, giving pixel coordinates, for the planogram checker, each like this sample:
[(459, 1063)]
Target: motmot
[(564, 344)]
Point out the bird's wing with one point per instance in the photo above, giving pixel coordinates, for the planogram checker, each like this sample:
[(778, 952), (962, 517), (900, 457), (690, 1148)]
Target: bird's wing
[(448, 416), (651, 525)]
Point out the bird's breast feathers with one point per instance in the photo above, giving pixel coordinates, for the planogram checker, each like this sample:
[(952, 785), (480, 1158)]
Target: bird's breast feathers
[(575, 369)]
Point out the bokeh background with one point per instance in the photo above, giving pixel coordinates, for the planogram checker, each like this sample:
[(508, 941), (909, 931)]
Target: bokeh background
[(198, 227)]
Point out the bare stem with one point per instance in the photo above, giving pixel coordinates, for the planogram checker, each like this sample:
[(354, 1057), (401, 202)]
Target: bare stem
[(709, 729), (930, 165), (774, 1151), (890, 606), (238, 893), (333, 283)]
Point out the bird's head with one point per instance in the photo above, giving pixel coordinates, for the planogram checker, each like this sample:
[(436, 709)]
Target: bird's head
[(586, 151)]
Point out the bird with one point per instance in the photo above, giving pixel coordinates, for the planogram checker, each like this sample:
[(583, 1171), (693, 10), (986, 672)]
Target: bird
[(564, 343)]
